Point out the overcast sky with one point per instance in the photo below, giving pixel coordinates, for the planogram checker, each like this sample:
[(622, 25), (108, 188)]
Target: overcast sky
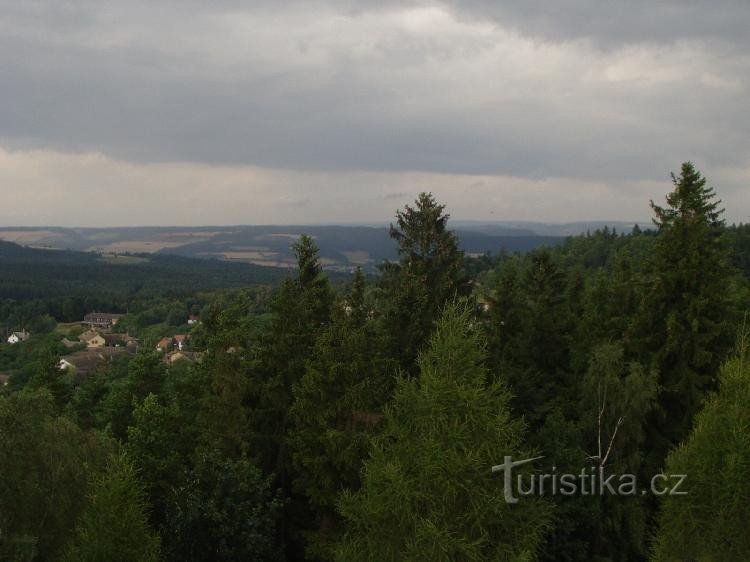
[(235, 112)]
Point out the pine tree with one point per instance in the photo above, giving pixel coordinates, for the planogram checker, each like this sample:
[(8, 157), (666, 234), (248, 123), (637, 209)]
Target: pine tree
[(429, 273), (301, 310), (114, 525), (530, 332), (686, 318), (427, 491), (338, 405)]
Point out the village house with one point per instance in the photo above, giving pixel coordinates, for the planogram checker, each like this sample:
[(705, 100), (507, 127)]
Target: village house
[(165, 345), (103, 320), (92, 339), (119, 340), (193, 320), (83, 363), (17, 337), (169, 343)]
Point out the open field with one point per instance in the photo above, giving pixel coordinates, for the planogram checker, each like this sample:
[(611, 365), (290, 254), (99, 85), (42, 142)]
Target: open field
[(136, 246), (119, 259), (341, 247), (26, 237)]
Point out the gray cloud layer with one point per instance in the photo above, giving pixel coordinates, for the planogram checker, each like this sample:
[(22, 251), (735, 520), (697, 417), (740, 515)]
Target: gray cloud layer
[(588, 90)]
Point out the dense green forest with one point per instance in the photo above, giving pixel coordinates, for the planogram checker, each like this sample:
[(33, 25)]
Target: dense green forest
[(30, 273), (360, 420)]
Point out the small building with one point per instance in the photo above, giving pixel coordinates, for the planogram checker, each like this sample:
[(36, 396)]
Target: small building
[(193, 320), (165, 345), (18, 337), (103, 320), (83, 363), (92, 339), (4, 378), (119, 340), (181, 341)]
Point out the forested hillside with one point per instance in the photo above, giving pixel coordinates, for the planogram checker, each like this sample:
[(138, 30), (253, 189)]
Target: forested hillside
[(361, 420), (67, 284), (30, 273)]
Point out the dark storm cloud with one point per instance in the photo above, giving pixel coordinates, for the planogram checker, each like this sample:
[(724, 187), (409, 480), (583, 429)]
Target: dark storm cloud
[(615, 22), (578, 89)]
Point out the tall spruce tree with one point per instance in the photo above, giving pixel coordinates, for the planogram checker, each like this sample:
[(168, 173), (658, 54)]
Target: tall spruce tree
[(529, 328), (338, 406), (685, 322), (429, 273), (301, 311), (428, 492)]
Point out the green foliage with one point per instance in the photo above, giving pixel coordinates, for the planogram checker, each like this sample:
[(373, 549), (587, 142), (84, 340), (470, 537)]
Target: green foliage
[(216, 391), (24, 359), (223, 415), (710, 522), (427, 491), (616, 400), (114, 524), (224, 510), (686, 322), (45, 462), (47, 374), (146, 373), (76, 282), (530, 333), (159, 444), (301, 309), (85, 404), (430, 272), (338, 404), (738, 239)]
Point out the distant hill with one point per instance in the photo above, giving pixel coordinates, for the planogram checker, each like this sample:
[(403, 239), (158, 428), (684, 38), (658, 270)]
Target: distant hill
[(341, 247)]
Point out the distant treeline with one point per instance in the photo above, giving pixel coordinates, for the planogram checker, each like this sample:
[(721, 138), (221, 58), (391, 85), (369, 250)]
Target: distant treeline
[(102, 282)]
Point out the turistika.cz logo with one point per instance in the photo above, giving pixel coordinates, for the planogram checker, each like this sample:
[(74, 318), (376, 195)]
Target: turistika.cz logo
[(591, 481)]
